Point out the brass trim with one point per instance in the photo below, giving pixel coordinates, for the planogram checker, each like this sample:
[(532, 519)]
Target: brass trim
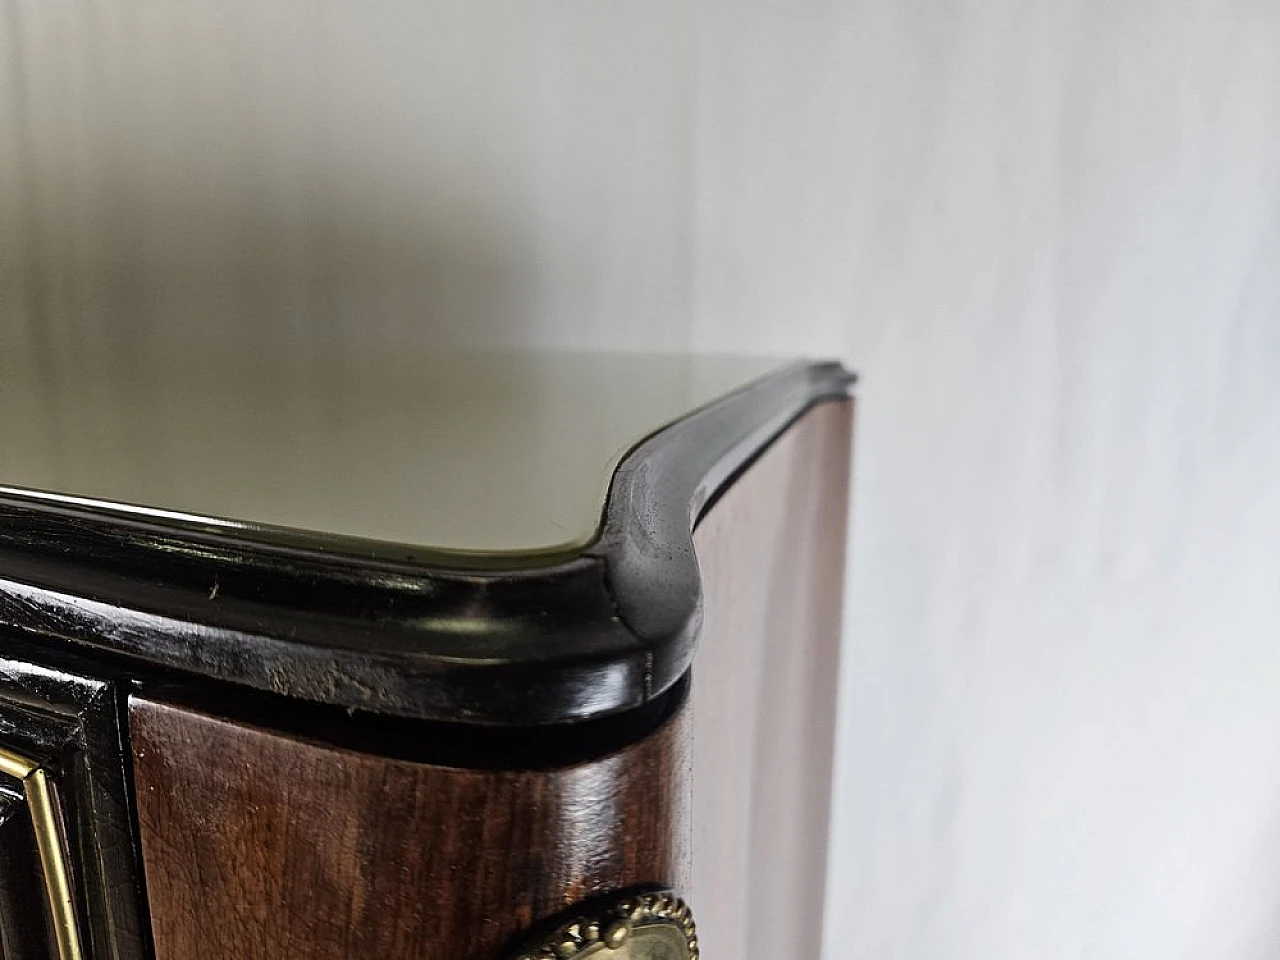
[(15, 766), (42, 805), (607, 927)]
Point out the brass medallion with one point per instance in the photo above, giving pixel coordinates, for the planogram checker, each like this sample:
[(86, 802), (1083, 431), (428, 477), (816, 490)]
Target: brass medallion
[(646, 926)]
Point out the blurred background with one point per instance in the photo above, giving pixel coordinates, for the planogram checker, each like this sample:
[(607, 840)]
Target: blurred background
[(1046, 233)]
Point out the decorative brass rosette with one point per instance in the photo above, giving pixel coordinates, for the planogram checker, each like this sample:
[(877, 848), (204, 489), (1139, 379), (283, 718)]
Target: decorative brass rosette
[(646, 926)]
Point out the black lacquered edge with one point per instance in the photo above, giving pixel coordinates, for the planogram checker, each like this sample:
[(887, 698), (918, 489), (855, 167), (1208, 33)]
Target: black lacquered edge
[(603, 632)]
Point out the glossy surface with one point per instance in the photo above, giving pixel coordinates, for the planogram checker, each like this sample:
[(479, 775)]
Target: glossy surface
[(476, 453), (260, 846), (513, 639)]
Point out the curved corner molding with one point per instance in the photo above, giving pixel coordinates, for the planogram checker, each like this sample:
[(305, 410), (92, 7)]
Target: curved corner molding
[(41, 804), (528, 641)]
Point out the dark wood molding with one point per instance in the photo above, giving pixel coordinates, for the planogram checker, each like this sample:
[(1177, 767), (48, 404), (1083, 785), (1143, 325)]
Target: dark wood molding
[(429, 638)]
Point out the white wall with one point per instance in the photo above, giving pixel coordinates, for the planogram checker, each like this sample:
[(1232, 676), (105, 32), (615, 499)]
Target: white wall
[(1047, 232)]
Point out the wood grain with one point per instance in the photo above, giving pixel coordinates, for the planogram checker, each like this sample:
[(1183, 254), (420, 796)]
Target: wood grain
[(764, 686), (259, 846)]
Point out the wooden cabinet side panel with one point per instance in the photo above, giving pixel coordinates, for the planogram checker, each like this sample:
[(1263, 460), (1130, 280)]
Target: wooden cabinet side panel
[(258, 846), (771, 553)]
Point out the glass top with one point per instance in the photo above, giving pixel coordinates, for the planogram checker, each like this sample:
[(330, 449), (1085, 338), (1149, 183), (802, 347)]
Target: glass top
[(476, 453)]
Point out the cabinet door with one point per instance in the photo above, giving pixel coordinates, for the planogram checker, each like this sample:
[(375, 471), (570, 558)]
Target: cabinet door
[(68, 881)]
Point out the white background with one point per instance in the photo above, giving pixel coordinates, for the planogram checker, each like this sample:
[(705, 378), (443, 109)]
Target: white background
[(1046, 233)]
